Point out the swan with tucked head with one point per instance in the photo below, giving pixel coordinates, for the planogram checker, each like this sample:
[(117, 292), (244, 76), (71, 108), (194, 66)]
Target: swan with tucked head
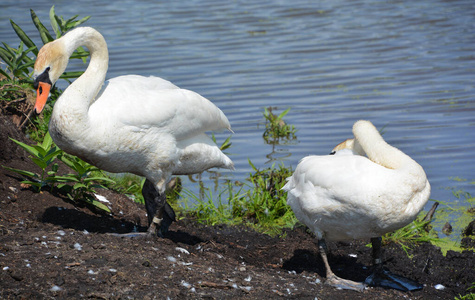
[(366, 189), (142, 125)]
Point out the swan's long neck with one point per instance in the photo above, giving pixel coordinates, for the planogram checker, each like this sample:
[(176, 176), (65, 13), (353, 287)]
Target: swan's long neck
[(77, 98), (380, 152)]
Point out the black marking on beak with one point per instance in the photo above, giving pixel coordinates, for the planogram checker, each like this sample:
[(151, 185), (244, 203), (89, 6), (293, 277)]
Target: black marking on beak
[(43, 77)]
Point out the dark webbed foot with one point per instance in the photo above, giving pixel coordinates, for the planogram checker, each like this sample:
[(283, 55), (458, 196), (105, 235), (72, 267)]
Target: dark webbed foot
[(384, 278), (135, 235)]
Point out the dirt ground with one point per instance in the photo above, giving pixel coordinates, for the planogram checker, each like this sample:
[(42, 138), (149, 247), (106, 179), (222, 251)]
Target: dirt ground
[(50, 248)]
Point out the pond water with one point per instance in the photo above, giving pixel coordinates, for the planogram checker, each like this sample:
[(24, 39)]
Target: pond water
[(406, 66)]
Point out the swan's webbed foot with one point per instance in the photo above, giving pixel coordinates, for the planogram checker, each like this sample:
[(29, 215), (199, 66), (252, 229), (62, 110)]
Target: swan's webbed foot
[(135, 235), (345, 284), (334, 280), (384, 278)]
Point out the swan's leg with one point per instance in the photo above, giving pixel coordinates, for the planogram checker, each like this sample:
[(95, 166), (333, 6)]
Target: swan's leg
[(332, 279), (160, 213), (383, 278)]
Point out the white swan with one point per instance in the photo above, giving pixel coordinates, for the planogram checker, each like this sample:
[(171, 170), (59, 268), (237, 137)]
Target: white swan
[(142, 125), (349, 196)]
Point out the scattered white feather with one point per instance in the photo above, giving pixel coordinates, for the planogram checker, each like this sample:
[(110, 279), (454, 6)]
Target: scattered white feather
[(55, 288), (353, 255), (102, 198), (248, 278), (113, 270), (77, 246), (247, 288), (90, 272), (5, 268), (171, 258), (234, 285), (439, 287), (85, 231), (318, 281), (185, 284), (182, 250), (61, 232)]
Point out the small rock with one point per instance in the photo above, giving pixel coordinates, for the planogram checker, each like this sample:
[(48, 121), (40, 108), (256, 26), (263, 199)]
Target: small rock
[(447, 229), (146, 264)]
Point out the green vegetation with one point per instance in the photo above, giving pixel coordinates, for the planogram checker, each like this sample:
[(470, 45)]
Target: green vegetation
[(16, 84), (43, 155), (460, 213), (276, 128), (260, 203), (78, 186), (469, 296), (416, 232)]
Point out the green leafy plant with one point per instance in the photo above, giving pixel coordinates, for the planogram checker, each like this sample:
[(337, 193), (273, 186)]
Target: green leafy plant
[(469, 296), (265, 203), (225, 145), (18, 63), (17, 60), (276, 128), (80, 186), (260, 203), (43, 155), (77, 186)]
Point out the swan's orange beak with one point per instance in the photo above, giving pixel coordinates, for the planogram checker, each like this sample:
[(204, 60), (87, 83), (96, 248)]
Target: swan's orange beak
[(42, 94)]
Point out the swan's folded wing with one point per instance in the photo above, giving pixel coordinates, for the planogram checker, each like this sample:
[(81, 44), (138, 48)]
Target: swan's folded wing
[(180, 112)]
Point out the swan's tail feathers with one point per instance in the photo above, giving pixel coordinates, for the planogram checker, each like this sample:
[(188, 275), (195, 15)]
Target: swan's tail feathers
[(227, 163)]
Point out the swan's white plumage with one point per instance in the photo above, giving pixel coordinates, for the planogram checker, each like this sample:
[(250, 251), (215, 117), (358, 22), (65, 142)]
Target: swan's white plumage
[(143, 125), (349, 196)]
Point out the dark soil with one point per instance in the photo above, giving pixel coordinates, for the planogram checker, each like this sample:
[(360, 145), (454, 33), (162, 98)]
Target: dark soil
[(52, 248)]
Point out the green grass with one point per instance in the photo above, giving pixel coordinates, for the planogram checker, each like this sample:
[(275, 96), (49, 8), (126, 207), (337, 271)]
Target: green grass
[(259, 203), (410, 235)]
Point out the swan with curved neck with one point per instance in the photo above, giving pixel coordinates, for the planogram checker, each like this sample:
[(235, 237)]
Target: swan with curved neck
[(142, 125), (368, 188)]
